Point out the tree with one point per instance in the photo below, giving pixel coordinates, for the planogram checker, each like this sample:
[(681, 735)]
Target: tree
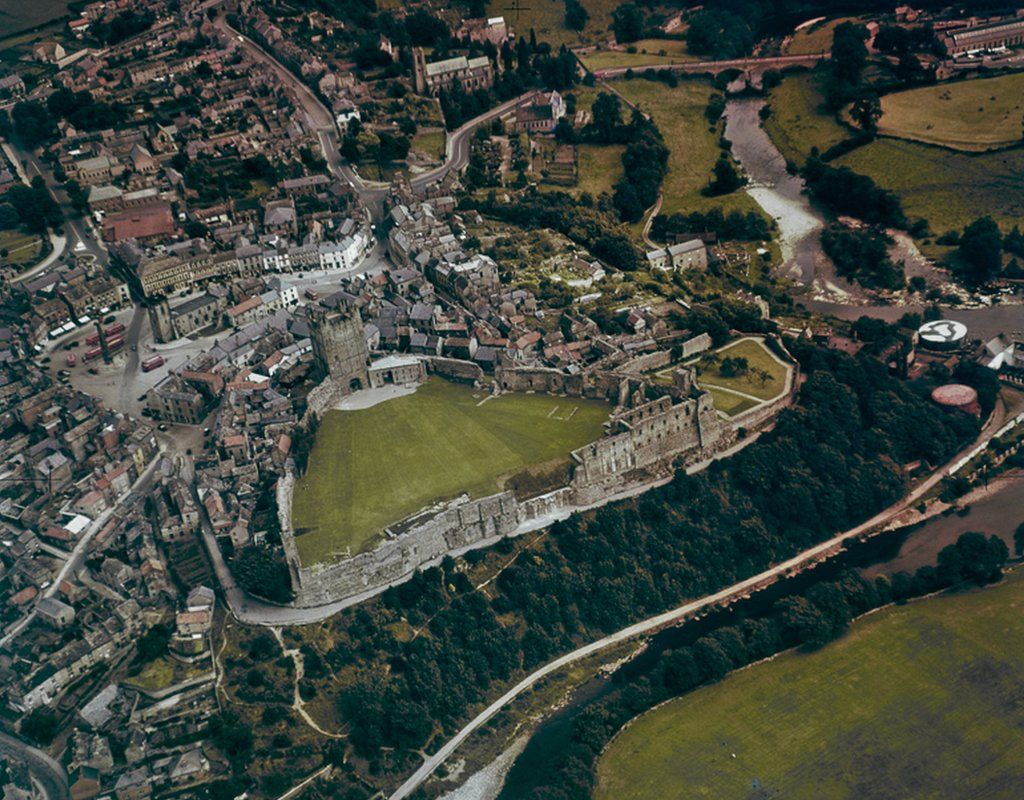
[(727, 178), (262, 572), (33, 124), (576, 16), (981, 247), (41, 726), (8, 217), (153, 643), (866, 112), (1018, 540), (719, 33), (627, 23)]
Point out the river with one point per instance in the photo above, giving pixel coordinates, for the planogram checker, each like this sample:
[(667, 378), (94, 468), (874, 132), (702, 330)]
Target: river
[(782, 196)]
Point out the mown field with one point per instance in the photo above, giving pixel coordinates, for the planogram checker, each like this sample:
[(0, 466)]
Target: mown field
[(679, 114), (973, 115), (649, 52), (799, 120), (375, 466), (547, 19), (915, 702), (764, 378), (948, 189)]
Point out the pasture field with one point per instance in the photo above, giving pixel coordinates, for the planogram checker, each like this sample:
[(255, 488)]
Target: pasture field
[(948, 189), (378, 465), (918, 701), (547, 19), (972, 115), (679, 114), (816, 38), (799, 119), (649, 52), (764, 378), (600, 167)]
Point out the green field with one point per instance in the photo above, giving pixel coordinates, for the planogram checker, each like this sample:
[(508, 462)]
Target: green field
[(547, 19), (971, 115), (919, 702), (948, 189), (816, 38), (429, 142), (679, 114), (600, 167), (799, 120), (649, 52), (376, 466), (22, 249), (764, 379)]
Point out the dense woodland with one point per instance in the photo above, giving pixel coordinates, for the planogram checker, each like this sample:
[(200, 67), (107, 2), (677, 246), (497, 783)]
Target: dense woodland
[(809, 619), (830, 462)]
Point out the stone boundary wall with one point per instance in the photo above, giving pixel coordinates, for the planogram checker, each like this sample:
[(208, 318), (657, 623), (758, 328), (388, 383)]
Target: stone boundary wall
[(455, 368), (647, 362), (683, 433), (456, 527), (478, 523), (322, 397)]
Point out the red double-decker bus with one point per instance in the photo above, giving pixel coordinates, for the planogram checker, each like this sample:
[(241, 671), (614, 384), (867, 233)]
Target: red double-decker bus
[(92, 340), (152, 363), (93, 354), (114, 329)]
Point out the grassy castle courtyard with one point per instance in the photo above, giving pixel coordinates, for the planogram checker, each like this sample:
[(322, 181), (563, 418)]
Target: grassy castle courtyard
[(375, 466)]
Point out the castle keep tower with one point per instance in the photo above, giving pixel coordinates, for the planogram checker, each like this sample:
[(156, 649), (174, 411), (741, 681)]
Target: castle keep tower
[(339, 347), (161, 321)]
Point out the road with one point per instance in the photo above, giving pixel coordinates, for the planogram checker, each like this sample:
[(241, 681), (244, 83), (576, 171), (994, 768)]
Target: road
[(371, 194), (732, 593), (78, 239), (701, 67), (48, 774), (143, 484)]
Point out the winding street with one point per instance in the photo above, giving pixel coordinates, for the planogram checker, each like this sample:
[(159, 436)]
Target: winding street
[(676, 615), (47, 774), (371, 194)]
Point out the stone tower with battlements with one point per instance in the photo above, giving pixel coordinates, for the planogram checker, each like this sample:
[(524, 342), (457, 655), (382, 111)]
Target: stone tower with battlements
[(161, 322), (339, 347)]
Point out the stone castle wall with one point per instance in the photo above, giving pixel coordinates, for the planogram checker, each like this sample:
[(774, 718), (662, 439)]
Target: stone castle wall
[(652, 437), (455, 369), (456, 528)]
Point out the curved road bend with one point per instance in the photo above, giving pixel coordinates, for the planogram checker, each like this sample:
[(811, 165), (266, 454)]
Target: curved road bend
[(372, 195), (652, 624), (47, 773)]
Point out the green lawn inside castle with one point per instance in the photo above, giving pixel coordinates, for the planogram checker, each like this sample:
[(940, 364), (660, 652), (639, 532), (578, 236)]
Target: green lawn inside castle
[(373, 467)]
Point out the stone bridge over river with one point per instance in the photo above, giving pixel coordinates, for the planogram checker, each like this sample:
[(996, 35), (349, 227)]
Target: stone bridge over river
[(749, 66)]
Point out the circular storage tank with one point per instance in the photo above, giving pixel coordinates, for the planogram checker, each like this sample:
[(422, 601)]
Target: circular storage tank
[(942, 334), (958, 397)]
